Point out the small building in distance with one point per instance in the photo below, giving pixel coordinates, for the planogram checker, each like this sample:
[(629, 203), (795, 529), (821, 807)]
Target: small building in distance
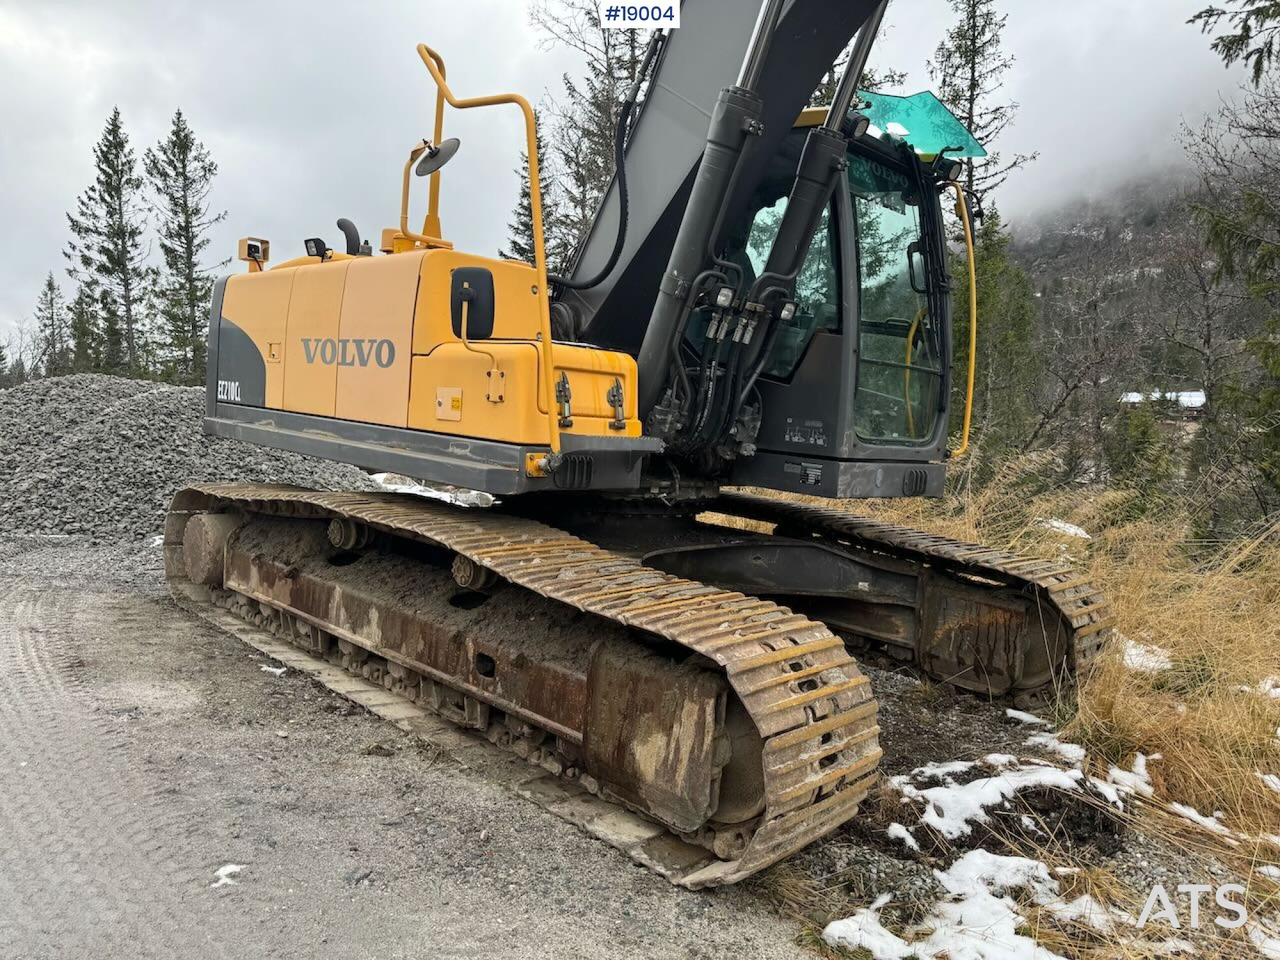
[(1173, 404)]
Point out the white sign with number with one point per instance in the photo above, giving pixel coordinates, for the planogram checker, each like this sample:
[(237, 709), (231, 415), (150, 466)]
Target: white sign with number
[(639, 16)]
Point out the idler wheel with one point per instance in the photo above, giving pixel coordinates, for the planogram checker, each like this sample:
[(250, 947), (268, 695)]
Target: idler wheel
[(204, 546)]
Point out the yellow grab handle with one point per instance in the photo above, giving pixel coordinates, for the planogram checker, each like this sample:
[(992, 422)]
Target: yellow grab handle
[(435, 65), (962, 211)]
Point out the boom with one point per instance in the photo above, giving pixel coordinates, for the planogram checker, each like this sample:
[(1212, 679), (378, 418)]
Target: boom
[(669, 136)]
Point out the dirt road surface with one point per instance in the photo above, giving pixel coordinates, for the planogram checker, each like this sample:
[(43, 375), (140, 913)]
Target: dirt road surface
[(145, 756)]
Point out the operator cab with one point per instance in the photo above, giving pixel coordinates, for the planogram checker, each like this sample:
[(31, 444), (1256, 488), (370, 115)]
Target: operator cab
[(853, 396)]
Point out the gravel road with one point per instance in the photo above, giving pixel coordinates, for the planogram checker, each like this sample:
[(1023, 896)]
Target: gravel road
[(142, 752)]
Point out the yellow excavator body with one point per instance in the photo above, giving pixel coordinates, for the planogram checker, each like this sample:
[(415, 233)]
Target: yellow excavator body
[(371, 339)]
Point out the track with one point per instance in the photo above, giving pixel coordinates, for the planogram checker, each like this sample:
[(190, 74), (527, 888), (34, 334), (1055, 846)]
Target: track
[(1064, 615), (804, 695), (809, 709)]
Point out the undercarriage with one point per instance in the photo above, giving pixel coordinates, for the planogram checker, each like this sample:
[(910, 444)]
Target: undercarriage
[(669, 680)]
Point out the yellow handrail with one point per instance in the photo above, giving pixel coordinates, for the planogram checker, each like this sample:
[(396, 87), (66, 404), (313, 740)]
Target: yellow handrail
[(431, 225), (435, 65), (962, 211), (414, 154)]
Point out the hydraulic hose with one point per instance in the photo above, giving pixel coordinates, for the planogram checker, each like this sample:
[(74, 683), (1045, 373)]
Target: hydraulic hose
[(619, 155), (620, 165)]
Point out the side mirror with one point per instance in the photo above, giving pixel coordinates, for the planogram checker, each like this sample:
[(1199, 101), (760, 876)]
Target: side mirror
[(436, 157), (471, 303)]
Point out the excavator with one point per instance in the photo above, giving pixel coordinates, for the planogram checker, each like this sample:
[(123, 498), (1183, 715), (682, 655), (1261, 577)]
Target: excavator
[(762, 303)]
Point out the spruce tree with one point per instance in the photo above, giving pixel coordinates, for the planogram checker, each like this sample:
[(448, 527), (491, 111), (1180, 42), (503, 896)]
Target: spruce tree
[(53, 344), (180, 172), (4, 367), (519, 244), (1253, 29), (1240, 213), (113, 353), (106, 250), (968, 68), (85, 332), (873, 79)]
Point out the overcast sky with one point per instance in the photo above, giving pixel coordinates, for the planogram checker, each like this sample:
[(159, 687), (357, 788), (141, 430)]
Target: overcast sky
[(309, 108)]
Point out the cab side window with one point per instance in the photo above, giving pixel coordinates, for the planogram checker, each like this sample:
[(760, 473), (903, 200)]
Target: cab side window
[(817, 287)]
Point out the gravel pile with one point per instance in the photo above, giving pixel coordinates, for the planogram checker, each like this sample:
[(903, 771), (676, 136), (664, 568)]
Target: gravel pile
[(102, 456)]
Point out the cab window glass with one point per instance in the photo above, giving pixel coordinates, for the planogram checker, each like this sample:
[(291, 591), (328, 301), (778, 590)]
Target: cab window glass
[(899, 358), (817, 287)]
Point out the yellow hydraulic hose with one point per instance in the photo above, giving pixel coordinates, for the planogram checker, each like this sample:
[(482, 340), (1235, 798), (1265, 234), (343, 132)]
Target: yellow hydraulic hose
[(435, 65), (962, 211)]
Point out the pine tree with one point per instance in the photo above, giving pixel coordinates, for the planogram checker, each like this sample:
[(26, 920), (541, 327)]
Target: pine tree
[(86, 335), (520, 229), (53, 346), (4, 367), (180, 172), (968, 68), (105, 250)]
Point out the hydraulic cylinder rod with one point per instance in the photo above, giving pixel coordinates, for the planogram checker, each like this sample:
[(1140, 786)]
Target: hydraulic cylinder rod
[(737, 116)]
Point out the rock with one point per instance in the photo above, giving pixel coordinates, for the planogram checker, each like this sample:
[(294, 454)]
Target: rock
[(101, 456), (357, 876)]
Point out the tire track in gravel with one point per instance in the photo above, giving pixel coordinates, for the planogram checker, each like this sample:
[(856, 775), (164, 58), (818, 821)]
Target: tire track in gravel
[(88, 864)]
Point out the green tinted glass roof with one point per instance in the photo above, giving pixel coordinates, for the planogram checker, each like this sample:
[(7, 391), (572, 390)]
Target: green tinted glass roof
[(921, 120)]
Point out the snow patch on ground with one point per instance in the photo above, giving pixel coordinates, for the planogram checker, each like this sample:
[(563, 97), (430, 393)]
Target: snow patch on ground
[(222, 878), (1137, 780), (1027, 718), (978, 921), (1269, 687), (1267, 941), (1047, 740), (897, 831), (1195, 816), (1061, 526), (1148, 659), (952, 808)]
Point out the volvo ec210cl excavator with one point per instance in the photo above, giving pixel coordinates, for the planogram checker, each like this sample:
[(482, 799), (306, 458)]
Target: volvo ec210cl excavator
[(762, 301)]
